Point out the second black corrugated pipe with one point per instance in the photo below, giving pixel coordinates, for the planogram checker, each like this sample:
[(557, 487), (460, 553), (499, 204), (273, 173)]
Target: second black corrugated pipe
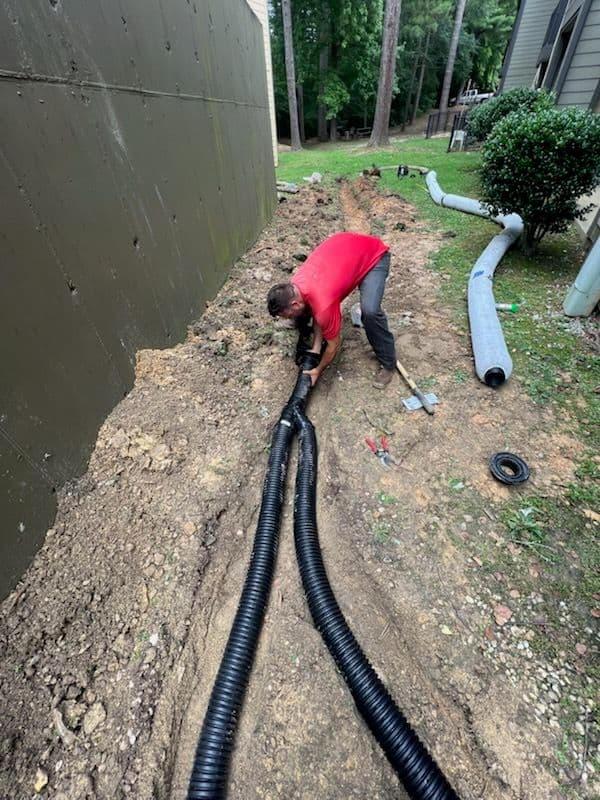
[(417, 770)]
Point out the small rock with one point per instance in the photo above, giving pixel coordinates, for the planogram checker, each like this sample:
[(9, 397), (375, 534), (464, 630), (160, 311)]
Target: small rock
[(72, 711), (143, 597), (593, 515), (445, 630), (73, 692), (502, 614), (93, 718), (122, 645), (41, 781), (64, 733)]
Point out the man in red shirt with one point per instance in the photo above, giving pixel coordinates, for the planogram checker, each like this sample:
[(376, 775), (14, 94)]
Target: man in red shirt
[(333, 270)]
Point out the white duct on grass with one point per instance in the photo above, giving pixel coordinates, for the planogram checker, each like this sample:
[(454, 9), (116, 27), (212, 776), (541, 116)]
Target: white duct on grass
[(493, 364), (585, 292)]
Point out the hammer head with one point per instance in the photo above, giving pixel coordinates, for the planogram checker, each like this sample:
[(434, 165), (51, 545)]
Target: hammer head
[(413, 403)]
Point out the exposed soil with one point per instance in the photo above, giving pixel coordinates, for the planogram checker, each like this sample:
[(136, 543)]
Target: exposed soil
[(110, 643)]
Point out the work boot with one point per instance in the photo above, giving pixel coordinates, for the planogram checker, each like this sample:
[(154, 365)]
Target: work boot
[(384, 376)]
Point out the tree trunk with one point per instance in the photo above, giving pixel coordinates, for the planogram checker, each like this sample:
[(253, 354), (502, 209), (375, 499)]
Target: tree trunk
[(458, 18), (411, 86), (300, 99), (387, 68), (333, 129), (323, 67), (421, 76), (290, 72)]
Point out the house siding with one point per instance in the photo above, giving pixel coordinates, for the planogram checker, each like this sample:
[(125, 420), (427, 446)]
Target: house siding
[(528, 38), (583, 74)]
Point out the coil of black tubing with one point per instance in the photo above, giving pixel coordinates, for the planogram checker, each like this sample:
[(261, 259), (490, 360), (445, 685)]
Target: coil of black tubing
[(519, 471), (420, 775), (208, 780)]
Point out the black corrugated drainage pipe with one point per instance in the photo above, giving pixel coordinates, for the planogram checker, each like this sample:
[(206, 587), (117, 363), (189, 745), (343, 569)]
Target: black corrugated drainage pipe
[(418, 772), (208, 780)]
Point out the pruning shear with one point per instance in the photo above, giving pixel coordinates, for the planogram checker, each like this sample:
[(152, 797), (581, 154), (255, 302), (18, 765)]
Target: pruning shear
[(381, 451)]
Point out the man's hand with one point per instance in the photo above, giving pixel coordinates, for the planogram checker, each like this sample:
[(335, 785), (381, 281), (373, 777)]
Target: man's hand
[(333, 346), (314, 374)]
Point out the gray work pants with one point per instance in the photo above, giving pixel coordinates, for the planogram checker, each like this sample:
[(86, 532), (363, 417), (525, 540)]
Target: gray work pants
[(373, 318)]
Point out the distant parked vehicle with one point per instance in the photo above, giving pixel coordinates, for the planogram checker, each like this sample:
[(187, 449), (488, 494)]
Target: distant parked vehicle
[(473, 97)]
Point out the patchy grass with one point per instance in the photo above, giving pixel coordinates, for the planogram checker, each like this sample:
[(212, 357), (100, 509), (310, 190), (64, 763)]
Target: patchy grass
[(537, 545), (387, 499)]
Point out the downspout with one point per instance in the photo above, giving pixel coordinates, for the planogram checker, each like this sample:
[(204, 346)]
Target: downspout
[(583, 295), (493, 364)]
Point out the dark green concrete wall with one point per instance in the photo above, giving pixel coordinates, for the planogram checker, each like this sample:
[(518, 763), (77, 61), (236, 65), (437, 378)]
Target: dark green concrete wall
[(135, 166)]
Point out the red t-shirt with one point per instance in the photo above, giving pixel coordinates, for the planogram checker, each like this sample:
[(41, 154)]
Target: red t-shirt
[(332, 271)]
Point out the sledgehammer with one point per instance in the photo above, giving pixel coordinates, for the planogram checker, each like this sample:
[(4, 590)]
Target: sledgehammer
[(415, 389)]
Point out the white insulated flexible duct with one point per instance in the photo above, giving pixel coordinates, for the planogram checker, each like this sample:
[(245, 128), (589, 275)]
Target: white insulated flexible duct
[(493, 364), (585, 292)]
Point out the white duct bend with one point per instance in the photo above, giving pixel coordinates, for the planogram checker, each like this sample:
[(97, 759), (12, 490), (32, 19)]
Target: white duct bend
[(493, 364)]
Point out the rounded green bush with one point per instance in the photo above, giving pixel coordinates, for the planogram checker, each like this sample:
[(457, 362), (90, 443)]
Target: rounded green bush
[(482, 119), (539, 164)]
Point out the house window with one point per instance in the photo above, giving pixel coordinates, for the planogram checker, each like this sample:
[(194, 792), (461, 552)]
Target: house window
[(559, 52)]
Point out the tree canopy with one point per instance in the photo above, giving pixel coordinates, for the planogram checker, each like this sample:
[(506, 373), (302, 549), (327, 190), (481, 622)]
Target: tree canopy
[(337, 48)]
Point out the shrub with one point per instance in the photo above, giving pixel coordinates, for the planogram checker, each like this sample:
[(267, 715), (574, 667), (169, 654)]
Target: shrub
[(538, 165), (482, 119)]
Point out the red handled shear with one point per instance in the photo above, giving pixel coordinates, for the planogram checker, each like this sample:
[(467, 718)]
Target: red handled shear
[(381, 451)]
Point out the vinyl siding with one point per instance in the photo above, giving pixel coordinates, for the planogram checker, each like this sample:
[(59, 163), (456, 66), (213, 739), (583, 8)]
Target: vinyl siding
[(527, 43), (584, 71)]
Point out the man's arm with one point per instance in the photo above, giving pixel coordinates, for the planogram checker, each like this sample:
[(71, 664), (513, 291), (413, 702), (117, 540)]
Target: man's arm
[(333, 345)]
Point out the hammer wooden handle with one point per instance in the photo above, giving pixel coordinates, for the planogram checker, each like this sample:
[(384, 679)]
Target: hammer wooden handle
[(415, 389)]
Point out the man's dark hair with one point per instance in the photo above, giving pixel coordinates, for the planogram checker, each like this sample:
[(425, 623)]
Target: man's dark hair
[(279, 298)]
